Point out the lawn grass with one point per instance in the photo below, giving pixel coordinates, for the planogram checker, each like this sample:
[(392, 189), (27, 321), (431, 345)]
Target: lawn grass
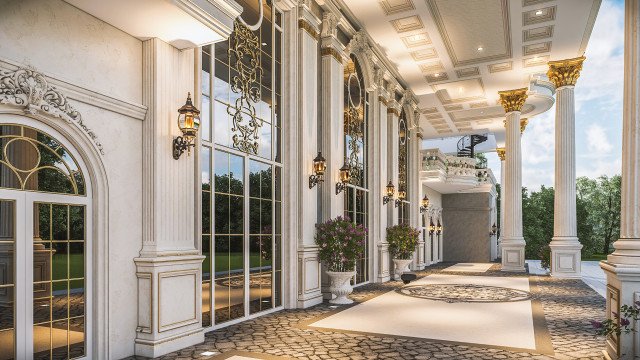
[(595, 257)]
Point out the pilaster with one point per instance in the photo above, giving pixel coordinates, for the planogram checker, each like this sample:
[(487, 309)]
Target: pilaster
[(513, 241), (393, 141), (501, 155), (565, 246), (169, 266), (382, 171), (623, 266), (309, 292)]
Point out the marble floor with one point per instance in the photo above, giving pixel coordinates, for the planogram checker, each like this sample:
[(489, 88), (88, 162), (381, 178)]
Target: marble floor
[(469, 267), (561, 324)]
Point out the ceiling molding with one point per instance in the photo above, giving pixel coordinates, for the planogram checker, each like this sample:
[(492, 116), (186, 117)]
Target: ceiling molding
[(538, 48), (440, 78), (424, 54), (440, 24), (526, 3), (406, 24), (530, 17), (405, 5), (468, 72), (535, 61), (595, 8), (538, 33), (416, 40), (498, 67)]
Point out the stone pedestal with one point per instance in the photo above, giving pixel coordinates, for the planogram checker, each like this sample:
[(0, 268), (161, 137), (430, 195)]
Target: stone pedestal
[(623, 266), (565, 246), (512, 241)]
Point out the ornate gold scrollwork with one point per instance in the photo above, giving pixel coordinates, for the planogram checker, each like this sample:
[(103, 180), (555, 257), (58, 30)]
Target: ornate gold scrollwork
[(501, 153), (513, 100), (245, 51), (565, 72)]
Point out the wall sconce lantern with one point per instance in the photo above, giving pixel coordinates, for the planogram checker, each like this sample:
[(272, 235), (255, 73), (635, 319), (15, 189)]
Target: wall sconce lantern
[(439, 228), (424, 206), (319, 167), (188, 122), (402, 194), (494, 229), (391, 191), (432, 228), (345, 176)]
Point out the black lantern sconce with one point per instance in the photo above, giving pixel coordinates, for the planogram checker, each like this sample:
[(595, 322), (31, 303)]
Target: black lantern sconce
[(402, 194), (439, 228), (424, 205), (494, 230), (391, 191), (432, 228), (319, 167), (345, 176), (188, 122)]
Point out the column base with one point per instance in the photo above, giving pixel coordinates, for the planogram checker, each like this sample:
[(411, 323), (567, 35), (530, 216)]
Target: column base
[(169, 304), (309, 292), (623, 288), (566, 257), (513, 255), (384, 261)]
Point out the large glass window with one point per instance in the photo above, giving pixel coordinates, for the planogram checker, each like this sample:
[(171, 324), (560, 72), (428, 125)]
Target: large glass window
[(403, 162), (356, 105), (242, 168)]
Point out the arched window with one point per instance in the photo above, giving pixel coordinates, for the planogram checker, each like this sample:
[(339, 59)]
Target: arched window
[(356, 105), (242, 167), (44, 242), (403, 162)]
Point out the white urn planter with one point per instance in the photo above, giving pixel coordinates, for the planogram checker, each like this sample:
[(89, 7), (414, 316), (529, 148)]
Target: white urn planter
[(341, 286), (401, 267)]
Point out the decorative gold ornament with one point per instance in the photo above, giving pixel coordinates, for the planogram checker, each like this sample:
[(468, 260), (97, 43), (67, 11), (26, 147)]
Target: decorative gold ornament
[(523, 125), (245, 55), (502, 152), (329, 51), (513, 100), (565, 72), (304, 25)]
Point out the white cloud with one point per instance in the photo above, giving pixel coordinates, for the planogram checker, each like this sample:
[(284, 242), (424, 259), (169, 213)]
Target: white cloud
[(597, 139)]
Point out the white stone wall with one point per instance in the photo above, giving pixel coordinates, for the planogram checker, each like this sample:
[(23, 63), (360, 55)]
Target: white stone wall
[(65, 43)]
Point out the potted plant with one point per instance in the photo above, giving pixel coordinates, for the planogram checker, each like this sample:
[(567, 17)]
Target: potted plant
[(402, 240), (340, 243)]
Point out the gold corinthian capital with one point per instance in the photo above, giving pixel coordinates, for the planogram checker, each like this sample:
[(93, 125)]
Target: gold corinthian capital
[(513, 100), (501, 153), (565, 72)]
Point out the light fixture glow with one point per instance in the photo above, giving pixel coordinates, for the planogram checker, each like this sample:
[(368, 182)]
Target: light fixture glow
[(539, 12), (480, 48), (209, 353), (436, 75)]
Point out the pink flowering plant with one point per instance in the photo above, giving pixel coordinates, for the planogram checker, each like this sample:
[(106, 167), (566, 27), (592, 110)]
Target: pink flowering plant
[(341, 242), (621, 323), (402, 241)]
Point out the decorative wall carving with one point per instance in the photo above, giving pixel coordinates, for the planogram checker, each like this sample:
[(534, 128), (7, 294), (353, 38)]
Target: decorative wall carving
[(27, 88)]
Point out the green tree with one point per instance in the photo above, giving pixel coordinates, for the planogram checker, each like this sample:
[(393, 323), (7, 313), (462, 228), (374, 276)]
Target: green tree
[(537, 221), (601, 196)]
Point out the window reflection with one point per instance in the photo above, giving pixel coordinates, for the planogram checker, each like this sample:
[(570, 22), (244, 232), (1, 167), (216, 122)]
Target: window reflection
[(7, 278), (32, 160)]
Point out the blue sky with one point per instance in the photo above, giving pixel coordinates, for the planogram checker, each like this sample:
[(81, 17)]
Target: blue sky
[(598, 96)]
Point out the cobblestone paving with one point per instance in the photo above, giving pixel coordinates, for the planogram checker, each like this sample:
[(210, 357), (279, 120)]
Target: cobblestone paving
[(569, 305)]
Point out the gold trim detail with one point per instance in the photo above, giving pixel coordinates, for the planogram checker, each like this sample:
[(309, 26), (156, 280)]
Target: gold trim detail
[(513, 100), (502, 152), (304, 25), (329, 51), (382, 100), (393, 111), (565, 72), (523, 125)]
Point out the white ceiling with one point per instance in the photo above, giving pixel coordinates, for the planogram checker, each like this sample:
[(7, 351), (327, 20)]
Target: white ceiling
[(456, 55)]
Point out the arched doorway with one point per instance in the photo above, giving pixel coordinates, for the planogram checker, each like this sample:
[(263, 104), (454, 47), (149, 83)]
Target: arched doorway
[(45, 242)]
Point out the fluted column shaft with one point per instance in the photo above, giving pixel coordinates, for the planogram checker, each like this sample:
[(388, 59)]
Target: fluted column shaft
[(513, 180), (564, 215), (502, 210)]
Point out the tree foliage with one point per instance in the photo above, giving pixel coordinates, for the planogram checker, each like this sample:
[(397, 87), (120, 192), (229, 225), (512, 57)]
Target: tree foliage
[(597, 214)]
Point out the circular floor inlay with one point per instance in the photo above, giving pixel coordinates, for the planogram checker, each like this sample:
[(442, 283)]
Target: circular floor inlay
[(454, 293)]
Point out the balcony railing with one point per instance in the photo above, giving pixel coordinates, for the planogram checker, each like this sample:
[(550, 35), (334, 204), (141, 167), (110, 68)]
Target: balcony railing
[(451, 173)]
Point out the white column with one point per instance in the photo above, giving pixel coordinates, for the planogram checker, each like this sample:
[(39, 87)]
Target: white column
[(513, 242), (393, 114), (332, 116), (501, 155), (308, 272), (623, 266), (381, 261), (168, 269), (565, 246)]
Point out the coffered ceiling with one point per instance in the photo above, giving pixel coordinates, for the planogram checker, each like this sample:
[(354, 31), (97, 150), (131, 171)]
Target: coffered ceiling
[(457, 54)]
